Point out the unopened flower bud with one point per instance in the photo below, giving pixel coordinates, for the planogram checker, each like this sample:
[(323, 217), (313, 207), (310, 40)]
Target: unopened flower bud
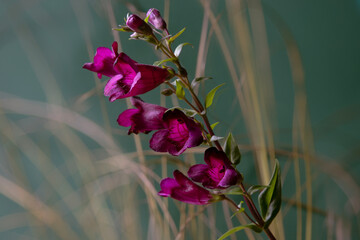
[(155, 19), (138, 25)]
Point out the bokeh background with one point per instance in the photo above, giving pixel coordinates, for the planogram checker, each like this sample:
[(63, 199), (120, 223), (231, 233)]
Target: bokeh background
[(68, 171)]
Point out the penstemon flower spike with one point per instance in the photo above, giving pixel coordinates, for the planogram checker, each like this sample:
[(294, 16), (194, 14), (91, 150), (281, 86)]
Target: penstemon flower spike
[(177, 129)]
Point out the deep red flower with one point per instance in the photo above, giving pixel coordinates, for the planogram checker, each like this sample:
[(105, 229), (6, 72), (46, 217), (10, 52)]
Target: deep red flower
[(127, 77), (183, 189), (144, 118), (216, 173), (180, 133)]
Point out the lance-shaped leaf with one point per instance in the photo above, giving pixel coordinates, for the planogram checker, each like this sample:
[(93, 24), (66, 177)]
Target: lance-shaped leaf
[(214, 125), (180, 93), (210, 96), (255, 188), (158, 63), (270, 198), (239, 228), (196, 81), (176, 36), (178, 49), (232, 150)]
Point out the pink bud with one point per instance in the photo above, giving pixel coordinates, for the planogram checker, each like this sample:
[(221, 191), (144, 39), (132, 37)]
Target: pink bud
[(155, 19)]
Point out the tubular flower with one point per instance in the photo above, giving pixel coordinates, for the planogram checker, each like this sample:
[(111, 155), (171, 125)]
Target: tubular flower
[(127, 77), (183, 189), (155, 19), (144, 118), (216, 173), (180, 133)]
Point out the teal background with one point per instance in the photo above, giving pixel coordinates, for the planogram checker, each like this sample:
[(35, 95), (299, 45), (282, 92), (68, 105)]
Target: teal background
[(42, 49)]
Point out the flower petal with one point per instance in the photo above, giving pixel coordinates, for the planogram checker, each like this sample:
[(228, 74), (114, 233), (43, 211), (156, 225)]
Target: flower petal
[(124, 118), (158, 141)]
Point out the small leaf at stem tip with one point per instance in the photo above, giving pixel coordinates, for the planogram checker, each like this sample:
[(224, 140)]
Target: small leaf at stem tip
[(196, 81), (210, 96), (147, 18), (251, 226), (215, 138), (176, 36), (178, 49), (255, 188), (232, 150), (180, 93), (158, 63), (122, 29), (214, 125), (240, 210), (234, 191), (270, 197)]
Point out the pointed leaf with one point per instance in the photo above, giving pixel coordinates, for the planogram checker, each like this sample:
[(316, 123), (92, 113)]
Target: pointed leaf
[(234, 191), (158, 63), (270, 198), (179, 48), (180, 93), (214, 125), (232, 150), (210, 96), (239, 228), (196, 81), (255, 188), (176, 36)]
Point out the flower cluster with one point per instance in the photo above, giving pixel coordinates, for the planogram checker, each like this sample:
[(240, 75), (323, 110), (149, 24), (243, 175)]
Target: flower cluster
[(177, 129)]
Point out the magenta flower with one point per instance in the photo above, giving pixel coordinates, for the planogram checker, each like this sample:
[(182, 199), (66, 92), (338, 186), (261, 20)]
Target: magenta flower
[(183, 189), (104, 61), (180, 133), (145, 118), (127, 77), (216, 173), (155, 19)]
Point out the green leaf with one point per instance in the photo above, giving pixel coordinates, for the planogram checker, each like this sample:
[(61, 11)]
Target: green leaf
[(239, 228), (196, 81), (180, 93), (172, 39), (232, 150), (214, 125), (234, 191), (147, 18), (179, 48), (158, 63), (240, 210), (255, 188), (210, 96), (270, 198)]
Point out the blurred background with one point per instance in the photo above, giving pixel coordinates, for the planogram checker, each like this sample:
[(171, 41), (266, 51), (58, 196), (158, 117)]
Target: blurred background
[(68, 171)]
